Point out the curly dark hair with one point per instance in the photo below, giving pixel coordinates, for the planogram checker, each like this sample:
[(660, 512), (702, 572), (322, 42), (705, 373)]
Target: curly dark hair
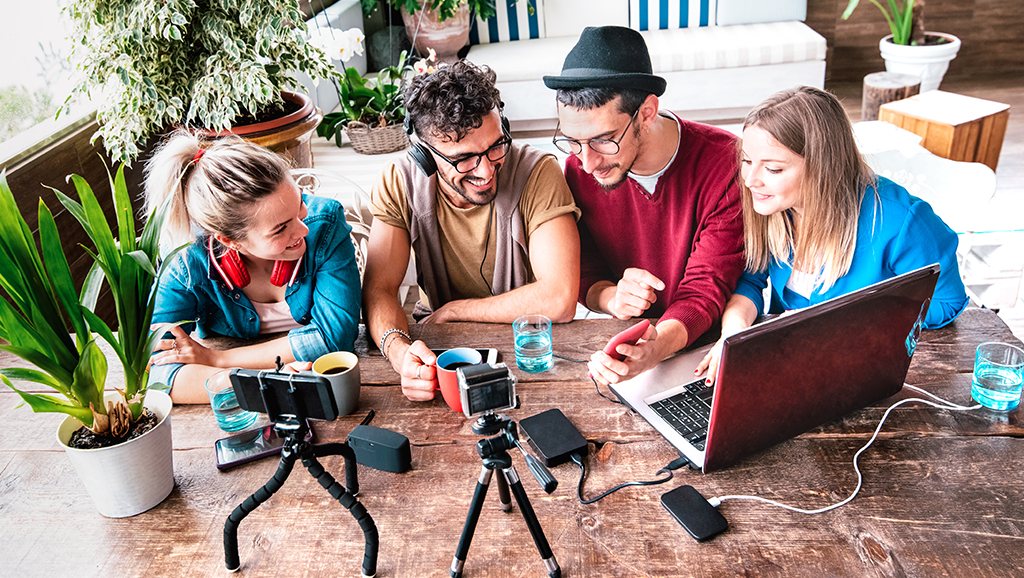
[(452, 101)]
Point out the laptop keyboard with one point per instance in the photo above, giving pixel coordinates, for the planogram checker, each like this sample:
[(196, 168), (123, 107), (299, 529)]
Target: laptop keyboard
[(688, 412)]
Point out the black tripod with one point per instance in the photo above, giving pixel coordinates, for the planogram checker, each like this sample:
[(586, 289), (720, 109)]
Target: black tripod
[(294, 430), (494, 453)]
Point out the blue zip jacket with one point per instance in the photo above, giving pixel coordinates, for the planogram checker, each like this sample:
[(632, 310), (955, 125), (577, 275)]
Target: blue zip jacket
[(899, 234), (325, 297)]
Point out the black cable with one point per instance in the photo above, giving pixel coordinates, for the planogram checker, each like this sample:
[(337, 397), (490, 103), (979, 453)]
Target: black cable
[(596, 387), (675, 465), (487, 241)]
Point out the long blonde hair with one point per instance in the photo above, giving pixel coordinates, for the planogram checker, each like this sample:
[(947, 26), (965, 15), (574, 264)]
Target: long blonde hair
[(217, 191), (813, 124)]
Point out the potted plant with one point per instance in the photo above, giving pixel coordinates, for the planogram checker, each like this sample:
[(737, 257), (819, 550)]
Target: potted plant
[(372, 109), (909, 49), (134, 473), (212, 64), (441, 25)]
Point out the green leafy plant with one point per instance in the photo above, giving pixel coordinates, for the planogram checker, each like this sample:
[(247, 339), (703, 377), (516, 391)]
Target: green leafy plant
[(153, 65), (446, 8), (906, 24), (42, 305), (375, 102)]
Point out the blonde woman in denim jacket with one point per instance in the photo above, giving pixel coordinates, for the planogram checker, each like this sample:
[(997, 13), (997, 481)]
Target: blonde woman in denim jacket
[(262, 259)]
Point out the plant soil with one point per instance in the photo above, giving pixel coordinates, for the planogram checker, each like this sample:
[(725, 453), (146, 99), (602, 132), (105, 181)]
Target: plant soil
[(83, 439), (273, 112)]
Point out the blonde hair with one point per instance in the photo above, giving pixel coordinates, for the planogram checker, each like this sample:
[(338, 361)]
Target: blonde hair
[(813, 124), (218, 192)]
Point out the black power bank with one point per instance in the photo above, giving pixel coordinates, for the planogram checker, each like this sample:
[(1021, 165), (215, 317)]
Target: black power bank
[(554, 437), (380, 448), (694, 513)]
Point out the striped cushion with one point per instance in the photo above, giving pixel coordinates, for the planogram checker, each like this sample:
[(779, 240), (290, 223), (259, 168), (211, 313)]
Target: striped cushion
[(733, 46), (515, 20), (668, 14)]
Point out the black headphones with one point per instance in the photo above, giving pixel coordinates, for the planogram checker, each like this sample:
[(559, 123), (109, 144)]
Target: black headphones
[(421, 154)]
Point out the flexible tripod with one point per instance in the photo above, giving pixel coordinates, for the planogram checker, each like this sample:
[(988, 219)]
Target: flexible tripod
[(493, 452), (294, 430)]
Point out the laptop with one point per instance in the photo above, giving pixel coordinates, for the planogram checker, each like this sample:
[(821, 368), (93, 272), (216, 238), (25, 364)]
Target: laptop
[(783, 377)]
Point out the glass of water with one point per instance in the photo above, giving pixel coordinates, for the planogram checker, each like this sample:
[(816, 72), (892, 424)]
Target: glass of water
[(229, 416), (532, 334), (998, 373)]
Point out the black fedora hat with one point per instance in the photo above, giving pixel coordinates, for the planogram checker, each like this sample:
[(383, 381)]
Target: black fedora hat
[(608, 57)]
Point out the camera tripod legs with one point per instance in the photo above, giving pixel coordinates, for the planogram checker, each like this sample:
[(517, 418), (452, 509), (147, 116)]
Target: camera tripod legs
[(308, 453), (503, 462)]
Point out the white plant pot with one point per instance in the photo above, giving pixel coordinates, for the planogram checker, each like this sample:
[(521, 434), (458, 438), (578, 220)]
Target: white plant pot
[(129, 478), (929, 63)]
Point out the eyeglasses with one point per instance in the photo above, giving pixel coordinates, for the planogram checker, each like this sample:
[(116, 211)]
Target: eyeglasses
[(468, 163), (602, 146)]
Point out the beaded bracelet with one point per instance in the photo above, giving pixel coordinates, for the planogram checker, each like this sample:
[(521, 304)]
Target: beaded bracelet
[(389, 332)]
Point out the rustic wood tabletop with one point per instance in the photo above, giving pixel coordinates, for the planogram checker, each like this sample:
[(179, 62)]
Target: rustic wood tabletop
[(943, 492)]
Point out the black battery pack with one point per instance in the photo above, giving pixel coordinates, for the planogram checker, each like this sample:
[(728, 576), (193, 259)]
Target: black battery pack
[(380, 448), (553, 437)]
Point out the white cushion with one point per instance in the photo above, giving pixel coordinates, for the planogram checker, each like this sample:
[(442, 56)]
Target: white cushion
[(570, 17), (760, 11), (733, 46), (667, 14), (526, 61), (518, 20)]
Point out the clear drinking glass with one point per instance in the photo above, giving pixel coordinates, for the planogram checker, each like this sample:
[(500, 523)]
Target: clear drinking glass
[(532, 334), (998, 372), (229, 416)]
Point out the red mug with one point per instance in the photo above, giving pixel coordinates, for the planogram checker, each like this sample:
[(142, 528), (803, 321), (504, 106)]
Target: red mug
[(447, 379)]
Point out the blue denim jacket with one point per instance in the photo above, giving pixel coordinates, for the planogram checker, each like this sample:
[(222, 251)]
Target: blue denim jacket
[(325, 297), (897, 232)]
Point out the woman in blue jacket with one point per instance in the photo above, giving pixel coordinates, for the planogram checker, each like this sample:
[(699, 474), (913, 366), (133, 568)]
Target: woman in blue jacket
[(262, 258), (819, 223)]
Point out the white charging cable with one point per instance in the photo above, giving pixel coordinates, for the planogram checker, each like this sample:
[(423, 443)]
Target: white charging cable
[(860, 477)]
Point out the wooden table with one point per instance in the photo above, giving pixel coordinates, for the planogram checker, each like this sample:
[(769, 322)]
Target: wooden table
[(943, 492)]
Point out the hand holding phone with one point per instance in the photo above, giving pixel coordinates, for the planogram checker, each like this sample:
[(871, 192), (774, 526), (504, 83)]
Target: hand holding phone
[(629, 337)]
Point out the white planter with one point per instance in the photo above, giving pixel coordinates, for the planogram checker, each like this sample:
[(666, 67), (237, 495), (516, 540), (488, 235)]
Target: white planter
[(129, 478), (929, 63)]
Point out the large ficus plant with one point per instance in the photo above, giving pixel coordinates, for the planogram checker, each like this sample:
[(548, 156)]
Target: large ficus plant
[(153, 64), (49, 324)]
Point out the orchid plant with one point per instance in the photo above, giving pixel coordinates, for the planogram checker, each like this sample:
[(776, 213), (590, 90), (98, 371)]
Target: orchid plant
[(375, 102)]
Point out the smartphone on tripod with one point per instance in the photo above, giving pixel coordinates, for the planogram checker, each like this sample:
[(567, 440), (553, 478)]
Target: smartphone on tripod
[(249, 446)]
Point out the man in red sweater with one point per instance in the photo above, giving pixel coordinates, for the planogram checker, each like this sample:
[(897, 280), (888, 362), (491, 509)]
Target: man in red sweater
[(661, 233)]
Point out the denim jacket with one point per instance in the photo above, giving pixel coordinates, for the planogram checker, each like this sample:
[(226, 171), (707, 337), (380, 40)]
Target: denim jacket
[(325, 298)]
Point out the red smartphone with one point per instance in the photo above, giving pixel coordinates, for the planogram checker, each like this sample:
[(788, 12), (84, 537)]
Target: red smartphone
[(629, 337), (250, 445)]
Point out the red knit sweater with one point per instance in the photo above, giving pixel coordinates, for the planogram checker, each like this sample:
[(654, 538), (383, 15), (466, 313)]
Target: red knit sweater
[(689, 233)]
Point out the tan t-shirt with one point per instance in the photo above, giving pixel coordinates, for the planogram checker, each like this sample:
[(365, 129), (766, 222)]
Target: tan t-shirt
[(464, 232)]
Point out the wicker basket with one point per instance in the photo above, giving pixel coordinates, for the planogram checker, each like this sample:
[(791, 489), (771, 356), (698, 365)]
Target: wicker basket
[(377, 141)]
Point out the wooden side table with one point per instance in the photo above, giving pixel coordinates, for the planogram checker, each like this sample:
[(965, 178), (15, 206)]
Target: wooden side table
[(953, 126)]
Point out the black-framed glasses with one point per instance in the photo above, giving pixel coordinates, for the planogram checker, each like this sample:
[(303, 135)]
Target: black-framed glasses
[(604, 146), (468, 163)]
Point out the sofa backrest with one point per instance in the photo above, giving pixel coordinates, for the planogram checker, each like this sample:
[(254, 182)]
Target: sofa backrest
[(667, 14), (527, 19), (514, 20), (760, 11)]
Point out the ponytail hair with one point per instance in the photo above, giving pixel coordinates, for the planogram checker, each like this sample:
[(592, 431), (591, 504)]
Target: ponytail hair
[(215, 190)]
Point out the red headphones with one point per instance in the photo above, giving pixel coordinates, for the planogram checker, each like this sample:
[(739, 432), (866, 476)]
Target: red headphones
[(232, 269)]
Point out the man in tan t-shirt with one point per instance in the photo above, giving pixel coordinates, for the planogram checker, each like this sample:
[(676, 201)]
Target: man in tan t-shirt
[(492, 224)]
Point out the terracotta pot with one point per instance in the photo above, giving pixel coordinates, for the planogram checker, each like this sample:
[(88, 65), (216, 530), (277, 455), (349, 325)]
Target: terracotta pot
[(446, 38), (289, 135), (929, 63), (132, 477)]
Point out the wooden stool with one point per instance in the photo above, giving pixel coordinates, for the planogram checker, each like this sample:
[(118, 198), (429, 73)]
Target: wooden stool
[(953, 126), (883, 87)]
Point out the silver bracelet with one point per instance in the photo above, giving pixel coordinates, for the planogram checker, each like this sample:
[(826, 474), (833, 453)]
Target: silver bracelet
[(385, 336)]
